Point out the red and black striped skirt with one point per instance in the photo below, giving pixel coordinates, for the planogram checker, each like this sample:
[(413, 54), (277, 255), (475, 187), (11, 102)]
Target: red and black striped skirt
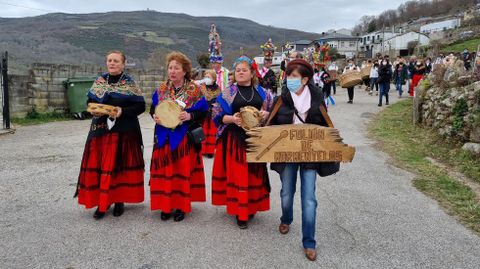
[(239, 185), (176, 178), (210, 130), (112, 171)]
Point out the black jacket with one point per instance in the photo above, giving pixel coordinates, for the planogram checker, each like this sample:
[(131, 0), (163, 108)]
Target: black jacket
[(314, 116), (385, 73)]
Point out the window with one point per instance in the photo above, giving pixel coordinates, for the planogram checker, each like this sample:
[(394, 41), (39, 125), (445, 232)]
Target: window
[(368, 38), (352, 44), (342, 44), (373, 39)]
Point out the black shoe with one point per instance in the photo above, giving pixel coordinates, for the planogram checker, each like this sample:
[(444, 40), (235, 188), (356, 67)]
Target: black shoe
[(379, 104), (179, 215), (242, 224), (98, 214), (118, 209), (350, 102), (165, 216), (386, 103)]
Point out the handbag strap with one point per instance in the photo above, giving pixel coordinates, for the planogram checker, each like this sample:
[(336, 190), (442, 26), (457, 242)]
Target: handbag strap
[(275, 109)]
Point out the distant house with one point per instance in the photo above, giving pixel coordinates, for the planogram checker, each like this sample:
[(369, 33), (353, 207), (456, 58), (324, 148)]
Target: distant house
[(372, 43), (277, 58), (440, 26), (300, 45), (398, 44), (342, 31), (345, 44)]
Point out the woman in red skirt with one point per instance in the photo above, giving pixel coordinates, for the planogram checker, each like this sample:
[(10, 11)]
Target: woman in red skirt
[(112, 166), (417, 75), (243, 187), (211, 91), (176, 172)]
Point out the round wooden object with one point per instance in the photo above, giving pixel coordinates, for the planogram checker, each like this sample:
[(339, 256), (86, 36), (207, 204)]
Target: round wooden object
[(366, 72), (251, 117), (168, 111), (102, 109), (350, 79)]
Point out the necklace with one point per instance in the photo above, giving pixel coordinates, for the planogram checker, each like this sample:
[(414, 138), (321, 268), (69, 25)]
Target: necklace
[(245, 99), (121, 76)]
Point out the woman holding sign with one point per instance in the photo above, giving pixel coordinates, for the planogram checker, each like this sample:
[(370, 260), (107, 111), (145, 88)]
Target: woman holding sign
[(243, 187), (176, 171), (300, 103), (112, 166)]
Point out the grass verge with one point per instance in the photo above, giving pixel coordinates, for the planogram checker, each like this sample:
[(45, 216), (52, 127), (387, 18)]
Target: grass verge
[(410, 146), (34, 117)]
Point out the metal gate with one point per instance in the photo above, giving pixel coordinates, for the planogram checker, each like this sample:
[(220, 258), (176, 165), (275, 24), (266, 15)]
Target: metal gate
[(5, 113)]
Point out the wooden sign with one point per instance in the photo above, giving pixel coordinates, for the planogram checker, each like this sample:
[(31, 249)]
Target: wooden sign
[(292, 143)]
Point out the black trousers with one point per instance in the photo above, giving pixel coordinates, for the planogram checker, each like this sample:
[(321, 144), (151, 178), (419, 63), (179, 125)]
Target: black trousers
[(350, 93)]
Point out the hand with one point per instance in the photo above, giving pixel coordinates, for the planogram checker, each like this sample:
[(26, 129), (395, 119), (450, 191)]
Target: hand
[(119, 112), (236, 119), (157, 120), (185, 116), (264, 114)]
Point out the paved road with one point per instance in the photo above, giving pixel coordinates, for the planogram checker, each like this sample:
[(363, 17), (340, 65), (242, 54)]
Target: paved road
[(369, 215)]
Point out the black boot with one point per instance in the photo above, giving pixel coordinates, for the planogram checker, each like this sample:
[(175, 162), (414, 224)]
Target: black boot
[(386, 99), (242, 224), (178, 215), (165, 216), (98, 214), (118, 209)]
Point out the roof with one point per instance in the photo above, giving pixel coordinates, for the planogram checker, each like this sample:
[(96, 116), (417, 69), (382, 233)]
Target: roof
[(397, 35), (337, 36), (302, 42)]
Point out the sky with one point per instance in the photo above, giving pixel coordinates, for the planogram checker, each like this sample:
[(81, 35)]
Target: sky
[(308, 15)]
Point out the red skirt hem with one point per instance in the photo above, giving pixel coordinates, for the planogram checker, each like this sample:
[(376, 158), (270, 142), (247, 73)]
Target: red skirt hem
[(177, 183)]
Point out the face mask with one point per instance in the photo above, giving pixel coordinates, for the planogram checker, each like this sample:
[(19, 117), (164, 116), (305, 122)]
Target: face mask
[(384, 63), (208, 81), (350, 64), (294, 84)]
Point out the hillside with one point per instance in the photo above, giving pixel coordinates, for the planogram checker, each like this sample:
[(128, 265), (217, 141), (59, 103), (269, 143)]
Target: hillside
[(84, 38)]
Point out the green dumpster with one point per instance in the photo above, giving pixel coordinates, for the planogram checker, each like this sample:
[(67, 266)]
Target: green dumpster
[(77, 89)]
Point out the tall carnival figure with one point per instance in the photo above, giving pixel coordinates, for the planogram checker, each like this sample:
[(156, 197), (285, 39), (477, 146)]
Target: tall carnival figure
[(219, 75), (112, 166), (301, 102), (176, 171), (268, 80), (216, 58), (243, 187)]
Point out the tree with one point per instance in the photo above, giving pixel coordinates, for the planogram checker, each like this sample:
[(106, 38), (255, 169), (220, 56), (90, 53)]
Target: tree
[(203, 60)]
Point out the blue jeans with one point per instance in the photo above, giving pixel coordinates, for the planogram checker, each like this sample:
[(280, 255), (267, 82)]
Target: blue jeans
[(309, 200), (398, 83), (384, 88)]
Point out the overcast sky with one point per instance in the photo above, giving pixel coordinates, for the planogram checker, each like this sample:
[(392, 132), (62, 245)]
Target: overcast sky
[(307, 15)]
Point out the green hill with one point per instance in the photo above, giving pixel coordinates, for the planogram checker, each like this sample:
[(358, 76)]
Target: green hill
[(84, 38)]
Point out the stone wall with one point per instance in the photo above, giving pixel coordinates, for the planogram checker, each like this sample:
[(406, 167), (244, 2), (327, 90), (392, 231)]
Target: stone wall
[(43, 86), (448, 101)]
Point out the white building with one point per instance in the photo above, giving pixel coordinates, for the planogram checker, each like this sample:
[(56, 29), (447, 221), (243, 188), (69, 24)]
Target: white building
[(372, 43), (398, 44), (277, 59), (440, 26), (342, 31), (345, 44)]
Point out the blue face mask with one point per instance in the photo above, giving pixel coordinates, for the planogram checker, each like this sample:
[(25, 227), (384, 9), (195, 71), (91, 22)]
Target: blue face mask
[(294, 84)]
